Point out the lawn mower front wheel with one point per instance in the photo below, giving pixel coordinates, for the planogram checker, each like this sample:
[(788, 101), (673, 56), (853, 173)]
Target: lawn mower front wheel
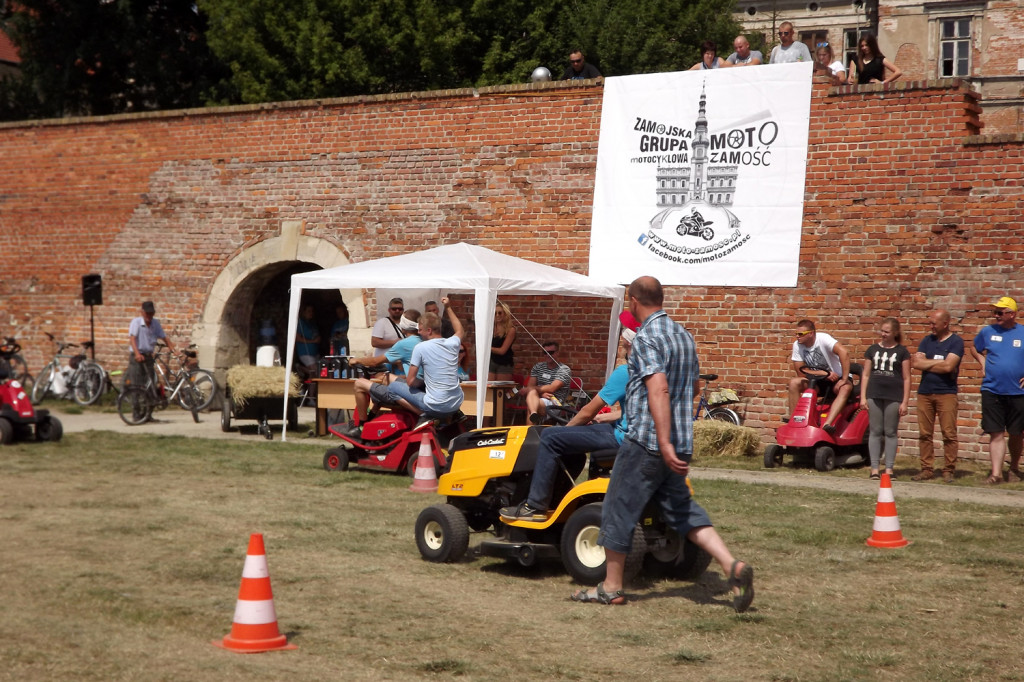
[(442, 535)]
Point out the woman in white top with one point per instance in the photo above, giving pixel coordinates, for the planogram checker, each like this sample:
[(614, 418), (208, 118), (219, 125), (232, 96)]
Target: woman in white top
[(825, 64)]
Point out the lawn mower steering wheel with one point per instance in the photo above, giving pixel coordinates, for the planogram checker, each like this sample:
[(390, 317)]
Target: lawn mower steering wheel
[(560, 414)]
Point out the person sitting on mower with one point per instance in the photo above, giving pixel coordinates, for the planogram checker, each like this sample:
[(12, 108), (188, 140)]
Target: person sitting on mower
[(816, 354), (432, 382), (396, 357), (572, 442)]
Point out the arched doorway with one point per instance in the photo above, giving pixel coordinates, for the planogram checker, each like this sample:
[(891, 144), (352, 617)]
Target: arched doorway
[(254, 287)]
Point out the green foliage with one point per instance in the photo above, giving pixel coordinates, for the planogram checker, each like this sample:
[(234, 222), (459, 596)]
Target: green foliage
[(108, 56), (105, 57)]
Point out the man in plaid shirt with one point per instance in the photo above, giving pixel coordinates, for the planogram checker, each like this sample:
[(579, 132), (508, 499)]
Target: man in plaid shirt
[(654, 458)]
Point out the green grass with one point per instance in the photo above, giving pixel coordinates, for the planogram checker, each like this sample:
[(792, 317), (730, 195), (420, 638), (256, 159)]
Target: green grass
[(122, 557)]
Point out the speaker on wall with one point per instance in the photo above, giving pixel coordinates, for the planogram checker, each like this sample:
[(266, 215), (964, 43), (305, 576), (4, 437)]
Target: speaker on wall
[(92, 289)]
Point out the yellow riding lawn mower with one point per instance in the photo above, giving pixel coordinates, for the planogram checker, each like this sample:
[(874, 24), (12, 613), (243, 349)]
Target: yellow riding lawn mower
[(492, 468)]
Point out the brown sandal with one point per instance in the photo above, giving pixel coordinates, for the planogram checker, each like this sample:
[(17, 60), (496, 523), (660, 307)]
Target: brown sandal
[(993, 480)]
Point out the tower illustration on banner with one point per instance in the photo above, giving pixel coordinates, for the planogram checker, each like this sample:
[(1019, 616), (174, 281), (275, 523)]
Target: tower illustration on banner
[(694, 222)]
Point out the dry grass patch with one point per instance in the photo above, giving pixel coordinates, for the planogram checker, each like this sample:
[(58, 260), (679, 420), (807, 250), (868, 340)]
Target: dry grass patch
[(123, 555)]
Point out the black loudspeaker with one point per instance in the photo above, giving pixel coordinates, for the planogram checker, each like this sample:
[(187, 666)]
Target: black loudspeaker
[(92, 289)]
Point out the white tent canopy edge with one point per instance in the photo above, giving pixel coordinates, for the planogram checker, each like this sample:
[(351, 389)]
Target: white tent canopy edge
[(457, 269)]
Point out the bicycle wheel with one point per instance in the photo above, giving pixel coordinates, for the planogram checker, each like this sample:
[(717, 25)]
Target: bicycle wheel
[(198, 391), (42, 386), (724, 414), (89, 384), (134, 405)]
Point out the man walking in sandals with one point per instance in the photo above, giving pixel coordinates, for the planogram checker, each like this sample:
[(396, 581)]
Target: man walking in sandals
[(654, 458)]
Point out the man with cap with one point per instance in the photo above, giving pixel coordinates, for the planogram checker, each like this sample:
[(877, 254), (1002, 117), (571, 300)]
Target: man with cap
[(143, 334), (999, 348), (571, 443)]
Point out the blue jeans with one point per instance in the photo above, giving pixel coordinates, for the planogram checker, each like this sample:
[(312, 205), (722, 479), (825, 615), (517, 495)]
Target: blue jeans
[(560, 442), (639, 476)]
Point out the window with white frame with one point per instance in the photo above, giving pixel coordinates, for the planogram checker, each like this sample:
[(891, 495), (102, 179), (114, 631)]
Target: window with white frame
[(849, 46), (955, 48)]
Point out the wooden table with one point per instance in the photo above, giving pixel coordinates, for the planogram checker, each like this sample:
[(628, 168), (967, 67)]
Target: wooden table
[(340, 394)]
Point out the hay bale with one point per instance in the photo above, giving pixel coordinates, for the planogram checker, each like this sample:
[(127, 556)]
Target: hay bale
[(247, 382), (712, 438)]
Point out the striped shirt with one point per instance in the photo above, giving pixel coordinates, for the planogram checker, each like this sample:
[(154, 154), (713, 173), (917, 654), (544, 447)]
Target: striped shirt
[(662, 347)]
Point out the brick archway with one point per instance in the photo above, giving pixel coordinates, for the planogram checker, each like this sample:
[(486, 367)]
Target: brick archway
[(223, 332)]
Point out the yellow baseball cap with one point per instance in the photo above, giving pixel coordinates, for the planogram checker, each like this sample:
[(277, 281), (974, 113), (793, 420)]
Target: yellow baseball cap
[(1006, 302)]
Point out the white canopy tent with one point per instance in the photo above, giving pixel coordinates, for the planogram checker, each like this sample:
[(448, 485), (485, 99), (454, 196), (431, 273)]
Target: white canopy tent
[(458, 269)]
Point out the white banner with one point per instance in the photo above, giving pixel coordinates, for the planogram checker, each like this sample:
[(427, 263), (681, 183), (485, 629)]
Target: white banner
[(700, 177)]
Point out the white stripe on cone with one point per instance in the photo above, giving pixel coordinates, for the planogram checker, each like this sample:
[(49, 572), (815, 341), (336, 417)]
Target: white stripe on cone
[(255, 612), (255, 566), (887, 523), (885, 495)]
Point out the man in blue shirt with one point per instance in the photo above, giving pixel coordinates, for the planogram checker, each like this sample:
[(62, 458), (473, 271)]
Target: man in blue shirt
[(567, 444), (938, 358), (397, 357), (654, 458), (999, 348)]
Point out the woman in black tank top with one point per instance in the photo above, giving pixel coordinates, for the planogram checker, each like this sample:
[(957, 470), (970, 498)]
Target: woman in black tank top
[(872, 64)]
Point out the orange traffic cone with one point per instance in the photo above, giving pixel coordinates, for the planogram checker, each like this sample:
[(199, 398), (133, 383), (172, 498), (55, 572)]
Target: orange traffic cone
[(254, 627), (425, 479), (886, 531)]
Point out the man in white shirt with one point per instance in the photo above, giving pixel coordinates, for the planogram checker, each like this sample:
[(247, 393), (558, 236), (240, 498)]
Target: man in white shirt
[(789, 51), (818, 354)]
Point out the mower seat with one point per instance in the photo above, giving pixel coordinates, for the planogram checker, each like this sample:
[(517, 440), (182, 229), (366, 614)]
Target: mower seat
[(601, 462)]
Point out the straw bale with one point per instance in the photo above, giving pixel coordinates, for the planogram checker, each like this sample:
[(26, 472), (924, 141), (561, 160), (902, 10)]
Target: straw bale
[(712, 437), (246, 382)]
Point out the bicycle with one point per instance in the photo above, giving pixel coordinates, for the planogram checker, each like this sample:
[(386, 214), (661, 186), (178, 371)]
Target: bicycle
[(82, 380), (719, 412), (193, 389)]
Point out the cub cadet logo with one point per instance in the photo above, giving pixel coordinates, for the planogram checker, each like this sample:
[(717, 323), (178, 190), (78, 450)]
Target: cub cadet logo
[(492, 441), (497, 454)]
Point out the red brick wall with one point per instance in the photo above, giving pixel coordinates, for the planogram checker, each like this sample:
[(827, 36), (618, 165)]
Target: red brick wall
[(904, 212)]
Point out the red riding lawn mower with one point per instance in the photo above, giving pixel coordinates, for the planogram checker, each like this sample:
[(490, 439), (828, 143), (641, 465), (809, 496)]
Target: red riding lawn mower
[(389, 440), (803, 438), (19, 420)]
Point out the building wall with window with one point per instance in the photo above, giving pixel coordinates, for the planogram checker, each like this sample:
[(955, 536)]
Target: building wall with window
[(977, 40), (981, 41)]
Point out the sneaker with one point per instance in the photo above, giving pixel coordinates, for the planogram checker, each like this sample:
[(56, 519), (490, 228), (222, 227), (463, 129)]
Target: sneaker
[(1014, 476), (947, 476), (925, 475), (524, 512), (536, 419), (351, 429), (830, 429)]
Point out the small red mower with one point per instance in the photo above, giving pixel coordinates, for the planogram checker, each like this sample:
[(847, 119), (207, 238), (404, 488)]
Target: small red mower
[(19, 420), (390, 441), (804, 439)]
